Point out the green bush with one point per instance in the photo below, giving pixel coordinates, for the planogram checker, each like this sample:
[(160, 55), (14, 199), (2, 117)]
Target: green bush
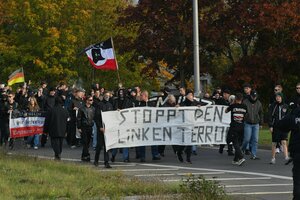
[(201, 189)]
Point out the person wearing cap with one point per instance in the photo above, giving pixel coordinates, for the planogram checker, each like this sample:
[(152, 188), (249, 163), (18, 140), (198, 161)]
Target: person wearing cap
[(277, 111), (253, 120), (247, 90)]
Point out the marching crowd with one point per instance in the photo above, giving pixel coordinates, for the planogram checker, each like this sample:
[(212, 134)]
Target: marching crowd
[(75, 115)]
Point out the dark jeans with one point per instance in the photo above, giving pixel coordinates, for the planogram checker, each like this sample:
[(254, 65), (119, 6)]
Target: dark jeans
[(142, 151), (100, 144), (71, 137), (86, 136), (56, 143), (4, 129), (235, 135), (296, 176), (186, 149)]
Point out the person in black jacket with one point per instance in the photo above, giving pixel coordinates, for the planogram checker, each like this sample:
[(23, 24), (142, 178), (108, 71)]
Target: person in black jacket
[(7, 106), (294, 99), (75, 105), (189, 101), (236, 129), (122, 102), (56, 126), (85, 122), (292, 123), (48, 104), (104, 106), (277, 111)]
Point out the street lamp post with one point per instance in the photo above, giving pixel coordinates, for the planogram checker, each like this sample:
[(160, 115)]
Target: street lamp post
[(196, 48)]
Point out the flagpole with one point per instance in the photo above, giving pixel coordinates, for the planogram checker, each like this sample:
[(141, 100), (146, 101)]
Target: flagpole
[(118, 74)]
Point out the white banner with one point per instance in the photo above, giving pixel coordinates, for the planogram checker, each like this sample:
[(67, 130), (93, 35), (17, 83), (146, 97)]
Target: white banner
[(145, 126)]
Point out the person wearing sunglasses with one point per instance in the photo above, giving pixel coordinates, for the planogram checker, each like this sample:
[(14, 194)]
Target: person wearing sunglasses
[(85, 123), (9, 106)]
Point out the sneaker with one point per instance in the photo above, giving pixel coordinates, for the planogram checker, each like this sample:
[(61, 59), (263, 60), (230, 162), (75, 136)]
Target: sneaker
[(179, 157), (73, 146), (96, 164), (273, 161), (235, 162), (277, 150), (287, 158), (241, 161), (36, 148), (126, 160), (254, 158)]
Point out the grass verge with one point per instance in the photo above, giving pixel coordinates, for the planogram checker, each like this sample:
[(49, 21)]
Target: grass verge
[(30, 178), (23, 177)]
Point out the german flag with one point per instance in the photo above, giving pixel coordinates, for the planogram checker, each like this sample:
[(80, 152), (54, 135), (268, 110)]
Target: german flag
[(16, 77)]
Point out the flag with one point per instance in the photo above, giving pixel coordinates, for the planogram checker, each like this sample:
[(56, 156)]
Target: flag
[(102, 55), (16, 77)]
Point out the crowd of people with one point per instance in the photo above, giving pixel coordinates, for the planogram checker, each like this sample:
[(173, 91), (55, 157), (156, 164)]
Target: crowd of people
[(75, 115)]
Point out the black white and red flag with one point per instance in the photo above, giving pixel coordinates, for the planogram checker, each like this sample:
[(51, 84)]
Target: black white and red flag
[(102, 55)]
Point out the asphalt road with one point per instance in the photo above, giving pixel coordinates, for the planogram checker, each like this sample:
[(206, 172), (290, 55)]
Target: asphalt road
[(256, 179)]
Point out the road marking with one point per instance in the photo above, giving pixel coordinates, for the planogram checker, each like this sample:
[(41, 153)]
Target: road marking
[(225, 179), (259, 193), (140, 170), (199, 173), (257, 185), (178, 174), (219, 170), (153, 175)]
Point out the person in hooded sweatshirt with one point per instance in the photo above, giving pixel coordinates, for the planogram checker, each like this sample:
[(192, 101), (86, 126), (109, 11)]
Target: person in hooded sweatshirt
[(291, 122), (277, 111)]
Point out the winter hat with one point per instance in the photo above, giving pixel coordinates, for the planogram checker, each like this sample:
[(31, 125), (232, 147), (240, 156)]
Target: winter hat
[(279, 94)]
